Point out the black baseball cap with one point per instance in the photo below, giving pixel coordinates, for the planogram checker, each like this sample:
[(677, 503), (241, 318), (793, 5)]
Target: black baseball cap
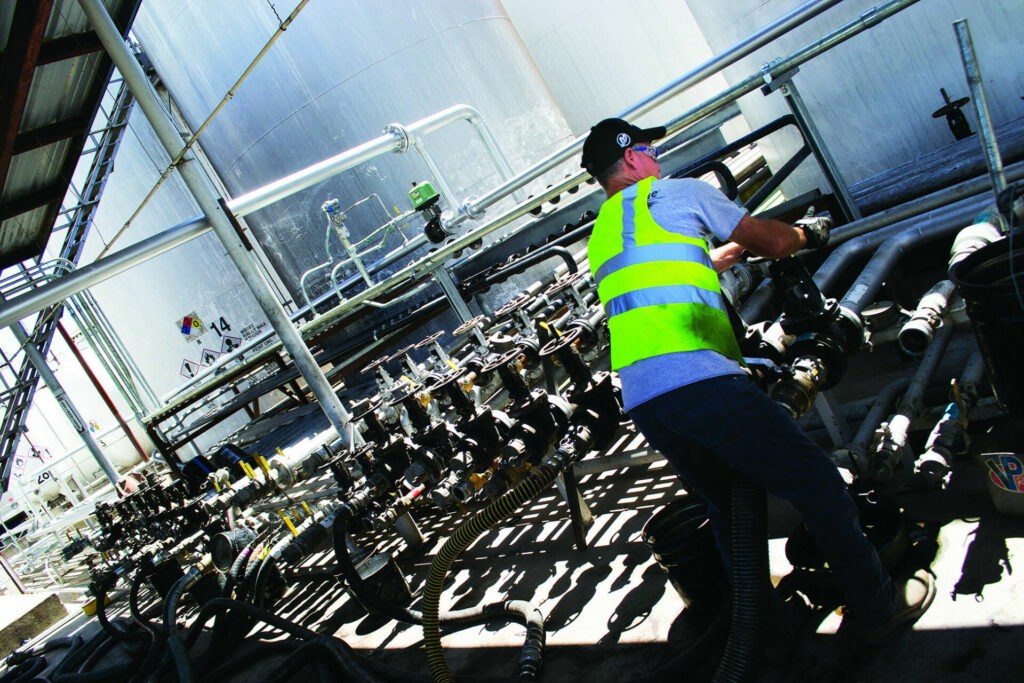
[(608, 141)]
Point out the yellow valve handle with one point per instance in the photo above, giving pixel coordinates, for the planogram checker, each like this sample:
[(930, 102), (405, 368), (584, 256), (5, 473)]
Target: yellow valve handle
[(288, 523), (216, 485), (451, 364), (248, 470), (306, 507)]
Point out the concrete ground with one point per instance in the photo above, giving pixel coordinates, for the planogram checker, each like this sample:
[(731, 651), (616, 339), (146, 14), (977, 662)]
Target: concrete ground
[(612, 615)]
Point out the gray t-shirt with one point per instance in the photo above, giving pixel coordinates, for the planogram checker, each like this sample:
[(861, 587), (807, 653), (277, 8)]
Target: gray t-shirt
[(694, 208)]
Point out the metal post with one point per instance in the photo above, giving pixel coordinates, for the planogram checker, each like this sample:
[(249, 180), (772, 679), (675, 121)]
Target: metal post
[(74, 417), (812, 137), (451, 290), (985, 129), (200, 188)]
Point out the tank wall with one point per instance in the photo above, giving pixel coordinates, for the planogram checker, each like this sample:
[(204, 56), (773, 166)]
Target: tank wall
[(146, 304), (340, 73), (600, 58), (873, 96)]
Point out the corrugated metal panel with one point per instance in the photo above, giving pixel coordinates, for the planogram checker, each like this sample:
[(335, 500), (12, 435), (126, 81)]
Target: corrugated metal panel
[(59, 91)]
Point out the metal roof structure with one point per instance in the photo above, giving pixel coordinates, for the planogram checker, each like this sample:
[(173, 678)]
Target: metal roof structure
[(53, 74)]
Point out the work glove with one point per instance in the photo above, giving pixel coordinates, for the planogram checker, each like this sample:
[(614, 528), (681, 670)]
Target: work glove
[(816, 228)]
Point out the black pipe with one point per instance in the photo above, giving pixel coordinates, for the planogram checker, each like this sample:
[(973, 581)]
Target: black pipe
[(777, 179), (748, 536), (471, 286), (740, 143)]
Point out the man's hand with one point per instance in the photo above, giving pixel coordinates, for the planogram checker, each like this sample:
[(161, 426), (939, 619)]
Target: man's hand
[(816, 228), (726, 256)]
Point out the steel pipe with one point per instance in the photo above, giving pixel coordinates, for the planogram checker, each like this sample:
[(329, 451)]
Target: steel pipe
[(748, 45), (986, 131), (200, 188)]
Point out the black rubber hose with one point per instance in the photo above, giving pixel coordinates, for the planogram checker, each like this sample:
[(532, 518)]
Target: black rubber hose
[(26, 670), (179, 653), (344, 666), (70, 642), (237, 567), (749, 571), (117, 632), (233, 667), (171, 604), (262, 576), (523, 612), (133, 605)]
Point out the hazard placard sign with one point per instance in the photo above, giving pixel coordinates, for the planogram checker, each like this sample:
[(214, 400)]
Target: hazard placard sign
[(189, 368)]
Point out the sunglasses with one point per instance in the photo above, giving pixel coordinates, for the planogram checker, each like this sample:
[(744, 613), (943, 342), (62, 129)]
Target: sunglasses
[(650, 151)]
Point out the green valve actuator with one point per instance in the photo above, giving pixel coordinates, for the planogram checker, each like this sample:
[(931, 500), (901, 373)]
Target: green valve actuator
[(426, 200)]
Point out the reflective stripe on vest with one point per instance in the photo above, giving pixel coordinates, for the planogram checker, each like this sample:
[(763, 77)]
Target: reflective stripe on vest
[(658, 287)]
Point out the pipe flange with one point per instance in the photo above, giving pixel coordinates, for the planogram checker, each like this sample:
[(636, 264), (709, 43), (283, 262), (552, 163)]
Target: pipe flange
[(467, 208), (401, 134)]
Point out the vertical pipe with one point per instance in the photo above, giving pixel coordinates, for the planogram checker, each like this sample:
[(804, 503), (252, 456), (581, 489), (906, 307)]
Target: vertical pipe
[(102, 392), (986, 130), (199, 187)]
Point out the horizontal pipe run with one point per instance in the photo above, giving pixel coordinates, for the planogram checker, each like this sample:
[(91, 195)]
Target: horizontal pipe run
[(94, 273), (889, 253), (868, 19), (745, 47)]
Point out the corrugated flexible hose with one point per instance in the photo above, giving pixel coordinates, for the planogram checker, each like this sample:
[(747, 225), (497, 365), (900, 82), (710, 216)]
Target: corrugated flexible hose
[(539, 479)]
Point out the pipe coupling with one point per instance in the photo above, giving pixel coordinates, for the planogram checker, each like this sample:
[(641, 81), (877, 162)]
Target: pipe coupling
[(401, 135), (468, 210)]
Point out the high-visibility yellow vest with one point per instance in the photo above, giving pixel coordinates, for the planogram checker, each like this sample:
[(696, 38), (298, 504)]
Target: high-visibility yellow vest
[(658, 287)]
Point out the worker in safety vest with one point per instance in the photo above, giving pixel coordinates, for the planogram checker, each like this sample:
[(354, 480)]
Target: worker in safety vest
[(683, 381)]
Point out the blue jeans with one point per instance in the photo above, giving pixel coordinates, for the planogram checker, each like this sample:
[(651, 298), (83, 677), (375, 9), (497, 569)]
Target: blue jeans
[(706, 428)]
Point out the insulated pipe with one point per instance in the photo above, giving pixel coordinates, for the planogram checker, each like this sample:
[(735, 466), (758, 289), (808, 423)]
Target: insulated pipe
[(867, 284), (955, 198), (855, 453), (200, 187), (986, 132), (753, 42)]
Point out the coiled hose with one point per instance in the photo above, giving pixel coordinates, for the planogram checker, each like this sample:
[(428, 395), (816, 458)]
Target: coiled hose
[(749, 569), (540, 477)]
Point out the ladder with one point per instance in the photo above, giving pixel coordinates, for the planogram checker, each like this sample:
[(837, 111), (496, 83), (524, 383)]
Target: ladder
[(101, 145)]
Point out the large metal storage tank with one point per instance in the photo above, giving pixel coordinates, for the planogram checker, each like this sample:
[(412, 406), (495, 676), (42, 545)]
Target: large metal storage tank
[(340, 73), (872, 97), (146, 304), (600, 58)]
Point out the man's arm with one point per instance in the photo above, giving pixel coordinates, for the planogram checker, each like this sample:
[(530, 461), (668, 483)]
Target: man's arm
[(726, 256), (768, 237)]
